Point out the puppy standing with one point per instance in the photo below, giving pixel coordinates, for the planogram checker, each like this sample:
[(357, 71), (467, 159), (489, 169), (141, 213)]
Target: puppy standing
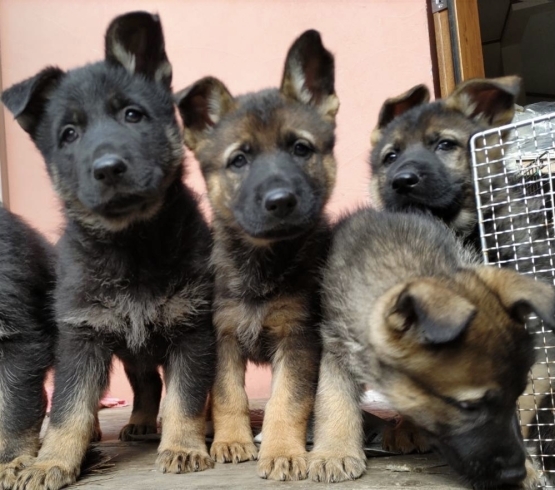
[(408, 311), (133, 276), (27, 336), (267, 159)]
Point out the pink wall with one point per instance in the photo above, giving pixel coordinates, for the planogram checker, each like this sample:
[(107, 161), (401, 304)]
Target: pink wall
[(381, 48)]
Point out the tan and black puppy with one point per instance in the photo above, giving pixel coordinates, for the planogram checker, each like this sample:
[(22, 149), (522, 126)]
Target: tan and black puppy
[(421, 161), (411, 312), (268, 162)]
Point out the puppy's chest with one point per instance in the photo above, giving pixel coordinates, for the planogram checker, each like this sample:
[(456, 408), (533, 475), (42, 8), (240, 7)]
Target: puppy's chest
[(132, 311), (260, 325)]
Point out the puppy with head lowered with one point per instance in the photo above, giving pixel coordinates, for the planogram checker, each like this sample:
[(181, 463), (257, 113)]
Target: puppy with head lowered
[(268, 162), (133, 278), (410, 312)]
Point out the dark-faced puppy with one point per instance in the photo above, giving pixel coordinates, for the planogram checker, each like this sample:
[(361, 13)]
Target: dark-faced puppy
[(409, 311), (27, 336), (421, 156), (133, 278), (267, 159)]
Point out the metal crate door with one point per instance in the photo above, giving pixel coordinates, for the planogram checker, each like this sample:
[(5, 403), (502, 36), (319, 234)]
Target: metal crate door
[(513, 183)]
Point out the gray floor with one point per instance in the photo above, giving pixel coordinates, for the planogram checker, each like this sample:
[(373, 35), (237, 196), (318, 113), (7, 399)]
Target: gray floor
[(131, 466)]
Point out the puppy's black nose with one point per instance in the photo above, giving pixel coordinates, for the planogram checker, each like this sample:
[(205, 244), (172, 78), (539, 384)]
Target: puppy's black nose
[(513, 476), (109, 169), (405, 181), (280, 202)]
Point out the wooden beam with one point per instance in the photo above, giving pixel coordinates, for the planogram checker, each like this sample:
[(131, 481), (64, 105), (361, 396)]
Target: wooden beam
[(4, 189), (468, 40), (444, 51)]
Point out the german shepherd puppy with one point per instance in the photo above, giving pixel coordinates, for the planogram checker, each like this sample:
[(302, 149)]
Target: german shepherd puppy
[(420, 150), (408, 310), (27, 337), (268, 162), (421, 160), (133, 278)]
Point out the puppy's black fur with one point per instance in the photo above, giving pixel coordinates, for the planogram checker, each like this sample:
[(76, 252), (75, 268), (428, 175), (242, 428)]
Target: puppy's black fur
[(27, 336), (133, 279)]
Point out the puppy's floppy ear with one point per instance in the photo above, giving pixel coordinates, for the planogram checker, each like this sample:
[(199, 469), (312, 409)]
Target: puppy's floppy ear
[(521, 295), (309, 74), (490, 101), (430, 313), (201, 106), (136, 42), (395, 106), (27, 100)]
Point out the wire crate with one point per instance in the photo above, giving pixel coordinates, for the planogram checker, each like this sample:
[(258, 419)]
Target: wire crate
[(514, 188)]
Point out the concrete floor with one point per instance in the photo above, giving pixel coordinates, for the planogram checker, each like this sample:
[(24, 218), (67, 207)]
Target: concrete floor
[(130, 466)]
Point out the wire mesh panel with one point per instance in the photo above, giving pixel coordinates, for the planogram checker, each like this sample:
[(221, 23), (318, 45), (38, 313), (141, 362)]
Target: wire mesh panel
[(513, 178)]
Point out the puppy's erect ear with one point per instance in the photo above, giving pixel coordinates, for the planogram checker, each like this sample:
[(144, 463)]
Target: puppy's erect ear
[(27, 100), (490, 101), (136, 42), (395, 106), (201, 106), (430, 313), (521, 295), (309, 74)]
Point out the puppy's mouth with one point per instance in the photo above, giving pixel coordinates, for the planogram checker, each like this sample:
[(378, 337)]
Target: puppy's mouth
[(277, 233), (120, 206), (276, 230)]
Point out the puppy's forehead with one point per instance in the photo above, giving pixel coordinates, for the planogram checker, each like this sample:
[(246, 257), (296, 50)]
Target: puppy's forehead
[(96, 86), (264, 119), (425, 122)]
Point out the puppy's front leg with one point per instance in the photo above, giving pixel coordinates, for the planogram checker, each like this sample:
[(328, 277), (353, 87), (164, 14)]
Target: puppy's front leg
[(189, 373), (230, 406), (81, 376), (295, 373), (338, 431), (22, 409)]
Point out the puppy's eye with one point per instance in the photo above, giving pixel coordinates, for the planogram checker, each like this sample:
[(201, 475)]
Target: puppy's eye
[(69, 134), (239, 160), (390, 157), (470, 405), (302, 149), (133, 115), (446, 145)]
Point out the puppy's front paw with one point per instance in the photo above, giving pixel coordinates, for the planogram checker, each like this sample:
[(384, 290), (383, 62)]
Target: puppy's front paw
[(183, 460), (235, 452), (47, 475), (10, 471), (331, 467), (285, 467)]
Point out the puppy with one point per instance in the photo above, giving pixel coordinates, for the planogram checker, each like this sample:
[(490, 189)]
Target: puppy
[(27, 337), (267, 159), (133, 278), (409, 311)]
